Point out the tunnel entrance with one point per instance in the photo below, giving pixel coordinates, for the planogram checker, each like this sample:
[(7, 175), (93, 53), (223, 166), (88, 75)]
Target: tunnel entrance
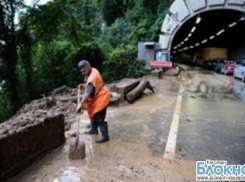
[(223, 29), (221, 24)]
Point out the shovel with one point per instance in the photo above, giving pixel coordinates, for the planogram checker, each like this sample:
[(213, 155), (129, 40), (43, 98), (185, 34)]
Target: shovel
[(77, 147)]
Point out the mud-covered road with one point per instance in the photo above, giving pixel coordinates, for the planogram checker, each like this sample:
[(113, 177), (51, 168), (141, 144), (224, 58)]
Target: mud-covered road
[(209, 123)]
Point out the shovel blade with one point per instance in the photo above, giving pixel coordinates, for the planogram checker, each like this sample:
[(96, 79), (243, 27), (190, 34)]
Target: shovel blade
[(77, 151)]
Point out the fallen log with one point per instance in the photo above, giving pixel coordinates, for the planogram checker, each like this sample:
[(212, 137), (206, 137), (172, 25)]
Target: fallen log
[(126, 86), (136, 92)]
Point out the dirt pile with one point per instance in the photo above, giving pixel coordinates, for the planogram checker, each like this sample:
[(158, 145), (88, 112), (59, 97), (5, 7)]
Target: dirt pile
[(40, 125), (59, 102), (25, 137), (36, 128)]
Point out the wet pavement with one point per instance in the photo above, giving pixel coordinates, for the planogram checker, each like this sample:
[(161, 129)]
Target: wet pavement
[(211, 127), (213, 119), (138, 135)]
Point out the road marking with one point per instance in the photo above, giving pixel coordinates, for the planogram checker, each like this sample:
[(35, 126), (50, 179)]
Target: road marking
[(173, 133)]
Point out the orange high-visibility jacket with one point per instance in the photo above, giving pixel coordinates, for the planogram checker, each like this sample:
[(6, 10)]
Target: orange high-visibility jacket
[(101, 98)]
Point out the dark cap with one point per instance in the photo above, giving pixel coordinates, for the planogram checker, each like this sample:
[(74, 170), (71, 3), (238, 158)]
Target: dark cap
[(83, 64)]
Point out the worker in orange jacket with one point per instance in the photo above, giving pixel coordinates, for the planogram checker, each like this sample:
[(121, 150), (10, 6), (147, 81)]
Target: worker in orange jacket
[(96, 98)]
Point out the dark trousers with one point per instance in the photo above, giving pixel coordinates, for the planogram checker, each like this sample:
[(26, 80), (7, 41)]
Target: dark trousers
[(99, 117)]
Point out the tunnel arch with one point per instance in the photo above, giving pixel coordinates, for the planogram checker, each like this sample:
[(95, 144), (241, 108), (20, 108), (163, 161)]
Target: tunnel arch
[(181, 11)]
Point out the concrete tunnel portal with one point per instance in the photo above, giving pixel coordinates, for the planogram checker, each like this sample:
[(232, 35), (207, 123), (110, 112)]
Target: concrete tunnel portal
[(213, 29), (190, 26)]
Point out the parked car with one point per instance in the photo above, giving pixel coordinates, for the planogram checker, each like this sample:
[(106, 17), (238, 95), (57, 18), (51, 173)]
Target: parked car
[(218, 65), (210, 65), (239, 71), (228, 68)]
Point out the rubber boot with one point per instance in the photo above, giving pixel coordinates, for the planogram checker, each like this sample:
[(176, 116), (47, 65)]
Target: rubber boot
[(104, 133), (93, 129)]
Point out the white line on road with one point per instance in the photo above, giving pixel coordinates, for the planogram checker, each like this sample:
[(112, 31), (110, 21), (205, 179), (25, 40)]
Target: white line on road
[(173, 133)]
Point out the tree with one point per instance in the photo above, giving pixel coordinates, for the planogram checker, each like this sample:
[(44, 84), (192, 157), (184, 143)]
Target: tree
[(113, 9), (50, 66), (41, 50), (117, 33), (90, 52), (9, 46), (123, 63)]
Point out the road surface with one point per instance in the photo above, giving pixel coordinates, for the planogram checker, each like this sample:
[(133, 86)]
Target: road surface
[(196, 116)]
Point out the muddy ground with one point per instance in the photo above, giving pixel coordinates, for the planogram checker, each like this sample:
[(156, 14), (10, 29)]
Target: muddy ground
[(211, 127), (138, 135)]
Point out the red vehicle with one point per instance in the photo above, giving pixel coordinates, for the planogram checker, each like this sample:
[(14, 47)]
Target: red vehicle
[(228, 68)]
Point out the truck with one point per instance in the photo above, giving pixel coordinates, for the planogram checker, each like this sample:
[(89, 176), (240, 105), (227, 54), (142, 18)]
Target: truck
[(211, 54)]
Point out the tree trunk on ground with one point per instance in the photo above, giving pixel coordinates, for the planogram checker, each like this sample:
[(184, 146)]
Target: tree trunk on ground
[(134, 94)]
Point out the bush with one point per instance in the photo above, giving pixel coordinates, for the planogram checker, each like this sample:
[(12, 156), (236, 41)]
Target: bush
[(122, 63), (90, 52), (49, 65)]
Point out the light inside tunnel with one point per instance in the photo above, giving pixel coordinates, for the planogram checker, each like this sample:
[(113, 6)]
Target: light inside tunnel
[(204, 41), (233, 24), (215, 28), (220, 32), (198, 20), (193, 29)]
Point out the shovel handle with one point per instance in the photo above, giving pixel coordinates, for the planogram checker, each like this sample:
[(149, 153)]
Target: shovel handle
[(78, 117), (78, 95)]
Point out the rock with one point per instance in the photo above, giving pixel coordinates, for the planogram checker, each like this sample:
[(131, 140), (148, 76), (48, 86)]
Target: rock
[(126, 85), (72, 134), (172, 72), (116, 98), (203, 88), (157, 73), (112, 87)]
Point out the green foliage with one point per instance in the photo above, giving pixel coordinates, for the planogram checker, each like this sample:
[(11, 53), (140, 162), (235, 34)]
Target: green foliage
[(147, 17), (5, 106), (90, 52), (117, 33), (49, 65), (155, 28), (69, 20), (43, 50), (123, 63), (113, 9)]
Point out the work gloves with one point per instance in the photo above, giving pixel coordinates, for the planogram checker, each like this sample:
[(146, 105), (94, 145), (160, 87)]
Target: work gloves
[(81, 86), (78, 108)]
